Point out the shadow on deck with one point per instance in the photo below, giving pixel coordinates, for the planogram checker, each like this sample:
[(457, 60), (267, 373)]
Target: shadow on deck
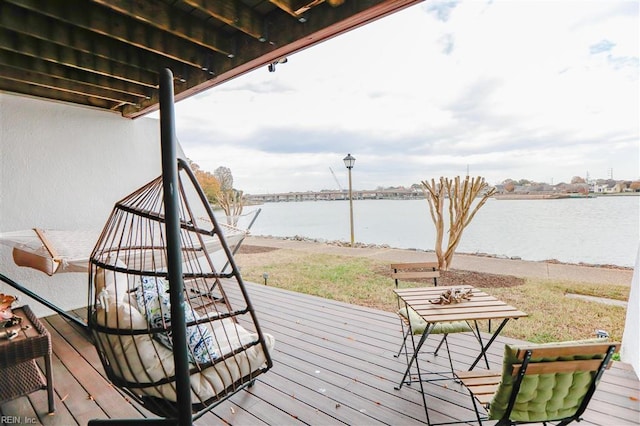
[(333, 364)]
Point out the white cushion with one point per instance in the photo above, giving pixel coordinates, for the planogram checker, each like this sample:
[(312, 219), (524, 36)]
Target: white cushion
[(114, 284), (141, 359)]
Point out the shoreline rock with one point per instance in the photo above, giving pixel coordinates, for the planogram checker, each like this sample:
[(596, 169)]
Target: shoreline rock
[(339, 243)]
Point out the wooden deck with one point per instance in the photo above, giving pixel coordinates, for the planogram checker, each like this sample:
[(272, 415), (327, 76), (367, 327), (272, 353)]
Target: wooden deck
[(333, 364)]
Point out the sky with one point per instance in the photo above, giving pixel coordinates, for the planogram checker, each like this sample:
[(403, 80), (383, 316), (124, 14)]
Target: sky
[(541, 90)]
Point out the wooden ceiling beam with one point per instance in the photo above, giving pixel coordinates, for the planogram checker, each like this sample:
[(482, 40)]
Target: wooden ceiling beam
[(41, 92), (43, 28), (234, 14), (296, 8), (99, 20), (57, 84), (54, 70), (166, 18), (36, 48)]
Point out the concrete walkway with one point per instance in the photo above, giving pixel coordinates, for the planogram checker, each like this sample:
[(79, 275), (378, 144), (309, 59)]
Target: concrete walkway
[(518, 268)]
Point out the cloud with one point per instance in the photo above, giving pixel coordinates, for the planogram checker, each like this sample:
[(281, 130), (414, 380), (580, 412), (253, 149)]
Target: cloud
[(447, 43), (473, 104), (442, 9), (601, 46), (431, 91)]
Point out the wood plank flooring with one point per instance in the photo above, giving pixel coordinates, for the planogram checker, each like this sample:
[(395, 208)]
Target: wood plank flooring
[(333, 364)]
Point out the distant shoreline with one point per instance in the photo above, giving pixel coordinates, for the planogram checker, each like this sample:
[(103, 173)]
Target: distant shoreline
[(558, 196), (533, 196)]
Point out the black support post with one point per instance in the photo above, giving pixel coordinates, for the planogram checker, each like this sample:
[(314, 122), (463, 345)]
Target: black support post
[(174, 255)]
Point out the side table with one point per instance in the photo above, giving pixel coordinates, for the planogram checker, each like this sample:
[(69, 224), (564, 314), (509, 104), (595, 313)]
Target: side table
[(20, 373)]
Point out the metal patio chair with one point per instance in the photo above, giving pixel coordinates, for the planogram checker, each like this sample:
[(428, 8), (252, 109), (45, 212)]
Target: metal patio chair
[(412, 323), (541, 383)]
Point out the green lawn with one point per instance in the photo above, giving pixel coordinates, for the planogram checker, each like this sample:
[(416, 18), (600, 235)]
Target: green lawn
[(362, 281)]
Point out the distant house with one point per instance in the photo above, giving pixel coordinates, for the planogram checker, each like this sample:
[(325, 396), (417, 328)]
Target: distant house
[(606, 188), (620, 187)]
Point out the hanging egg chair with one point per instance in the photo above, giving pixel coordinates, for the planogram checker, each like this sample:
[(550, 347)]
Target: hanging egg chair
[(129, 311)]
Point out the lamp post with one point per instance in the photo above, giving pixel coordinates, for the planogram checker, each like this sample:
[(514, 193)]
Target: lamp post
[(349, 161)]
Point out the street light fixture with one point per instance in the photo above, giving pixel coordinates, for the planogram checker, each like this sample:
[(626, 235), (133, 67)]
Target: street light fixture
[(349, 161)]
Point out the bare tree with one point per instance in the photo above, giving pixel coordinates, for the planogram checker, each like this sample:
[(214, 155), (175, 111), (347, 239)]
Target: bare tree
[(229, 199), (461, 196), (225, 178)]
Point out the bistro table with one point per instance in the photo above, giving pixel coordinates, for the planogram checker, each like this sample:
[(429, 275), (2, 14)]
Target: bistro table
[(480, 306)]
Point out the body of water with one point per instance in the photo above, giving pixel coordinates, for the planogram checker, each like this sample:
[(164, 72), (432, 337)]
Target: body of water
[(599, 231)]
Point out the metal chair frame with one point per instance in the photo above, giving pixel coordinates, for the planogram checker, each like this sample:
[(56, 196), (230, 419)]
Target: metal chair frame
[(482, 387), (423, 271)]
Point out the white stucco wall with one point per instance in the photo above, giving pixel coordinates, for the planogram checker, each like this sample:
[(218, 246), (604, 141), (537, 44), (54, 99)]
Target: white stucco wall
[(630, 351), (64, 167)]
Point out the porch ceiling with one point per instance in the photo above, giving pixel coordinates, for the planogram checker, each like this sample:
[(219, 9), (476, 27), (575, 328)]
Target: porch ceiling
[(108, 53)]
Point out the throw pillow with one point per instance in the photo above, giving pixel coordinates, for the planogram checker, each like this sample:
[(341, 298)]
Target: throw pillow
[(153, 302)]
